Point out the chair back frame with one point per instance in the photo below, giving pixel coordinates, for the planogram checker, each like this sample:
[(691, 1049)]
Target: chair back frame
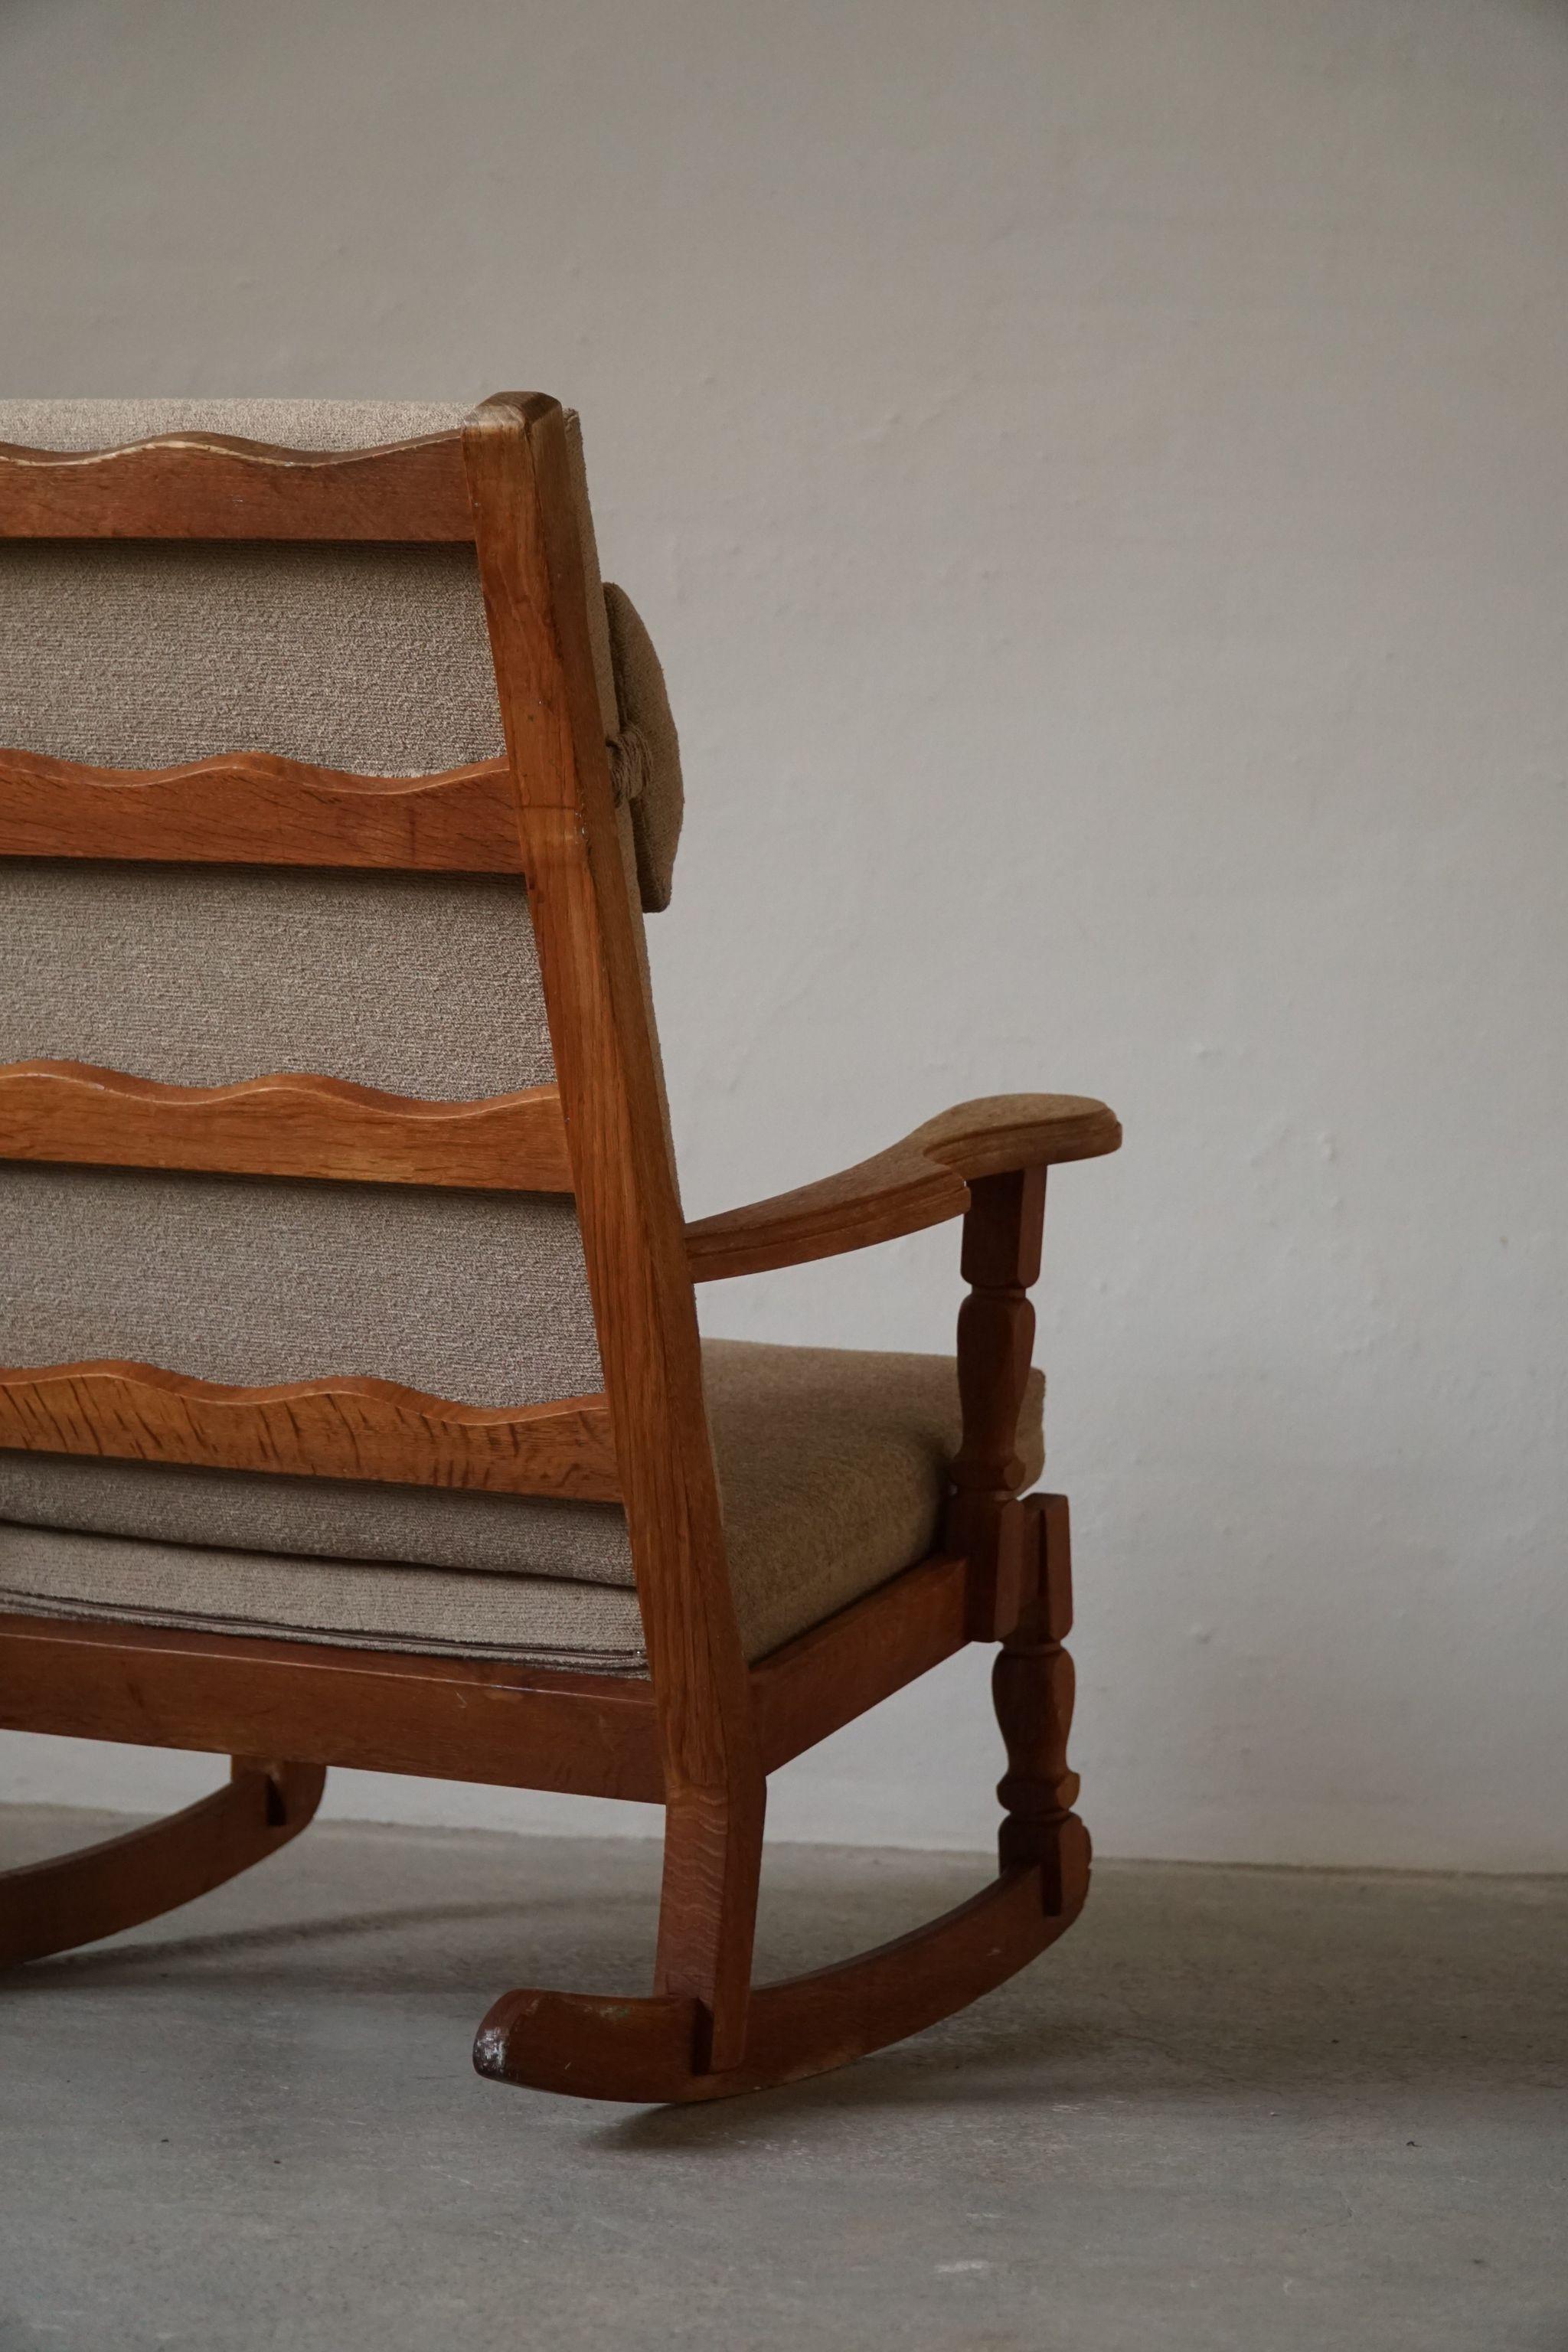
[(510, 484)]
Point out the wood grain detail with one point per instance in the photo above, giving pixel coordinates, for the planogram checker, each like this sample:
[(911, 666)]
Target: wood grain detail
[(496, 1720), (825, 1678), (334, 1428), (252, 808), (216, 486), (1033, 1686), (588, 926), (99, 1890), (591, 2047), (282, 1125), (984, 1521), (919, 1182)]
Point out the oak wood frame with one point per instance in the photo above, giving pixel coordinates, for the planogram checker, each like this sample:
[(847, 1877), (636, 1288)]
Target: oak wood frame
[(283, 1124), (701, 1732), (253, 808)]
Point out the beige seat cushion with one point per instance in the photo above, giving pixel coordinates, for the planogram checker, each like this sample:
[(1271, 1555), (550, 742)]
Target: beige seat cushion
[(832, 1466)]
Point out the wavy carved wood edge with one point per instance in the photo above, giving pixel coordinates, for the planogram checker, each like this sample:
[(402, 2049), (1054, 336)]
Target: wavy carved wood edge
[(197, 485), (284, 1124), (254, 808), (346, 1427)]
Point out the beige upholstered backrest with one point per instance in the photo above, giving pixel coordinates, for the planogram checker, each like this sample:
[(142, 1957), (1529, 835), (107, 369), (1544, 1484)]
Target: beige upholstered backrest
[(132, 655), (364, 658)]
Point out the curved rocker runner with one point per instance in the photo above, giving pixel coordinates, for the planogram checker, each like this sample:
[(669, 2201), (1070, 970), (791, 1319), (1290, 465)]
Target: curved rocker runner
[(654, 2049), (78, 1898)]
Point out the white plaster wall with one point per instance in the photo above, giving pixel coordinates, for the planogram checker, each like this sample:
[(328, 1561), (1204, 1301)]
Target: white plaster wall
[(1098, 476)]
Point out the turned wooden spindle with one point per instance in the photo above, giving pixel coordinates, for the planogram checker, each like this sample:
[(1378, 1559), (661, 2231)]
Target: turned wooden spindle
[(1032, 1684), (1001, 1259)]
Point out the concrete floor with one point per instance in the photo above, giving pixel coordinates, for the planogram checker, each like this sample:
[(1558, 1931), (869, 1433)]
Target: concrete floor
[(1234, 2108)]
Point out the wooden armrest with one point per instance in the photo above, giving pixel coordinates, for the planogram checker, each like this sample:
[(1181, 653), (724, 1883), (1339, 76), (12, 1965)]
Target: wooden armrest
[(920, 1181)]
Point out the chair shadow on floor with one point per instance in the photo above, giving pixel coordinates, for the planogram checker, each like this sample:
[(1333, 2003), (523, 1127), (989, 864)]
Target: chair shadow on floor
[(1177, 1984)]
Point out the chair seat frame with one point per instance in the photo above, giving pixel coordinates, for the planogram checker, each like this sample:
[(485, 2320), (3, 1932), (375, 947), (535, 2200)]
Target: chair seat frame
[(702, 1730)]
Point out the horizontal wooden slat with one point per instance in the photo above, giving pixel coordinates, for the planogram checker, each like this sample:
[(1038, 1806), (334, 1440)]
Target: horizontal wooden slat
[(282, 1125), (335, 1428), (456, 1718), (851, 1662), (251, 808), (214, 486)]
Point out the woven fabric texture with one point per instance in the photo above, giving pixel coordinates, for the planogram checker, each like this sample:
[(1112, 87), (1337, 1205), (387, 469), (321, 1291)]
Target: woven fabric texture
[(285, 423), (832, 1466), (140, 655), (143, 653), (333, 1520), (832, 1472), (46, 1572), (135, 655), (477, 1296), (422, 985)]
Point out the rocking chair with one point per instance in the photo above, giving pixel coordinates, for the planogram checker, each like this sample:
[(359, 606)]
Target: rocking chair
[(360, 1414)]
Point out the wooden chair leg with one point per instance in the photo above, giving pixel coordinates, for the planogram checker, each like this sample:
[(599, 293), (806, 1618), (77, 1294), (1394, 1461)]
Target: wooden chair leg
[(703, 1975), (1033, 1687), (78, 1898), (708, 1914), (700, 2037), (985, 1520)]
